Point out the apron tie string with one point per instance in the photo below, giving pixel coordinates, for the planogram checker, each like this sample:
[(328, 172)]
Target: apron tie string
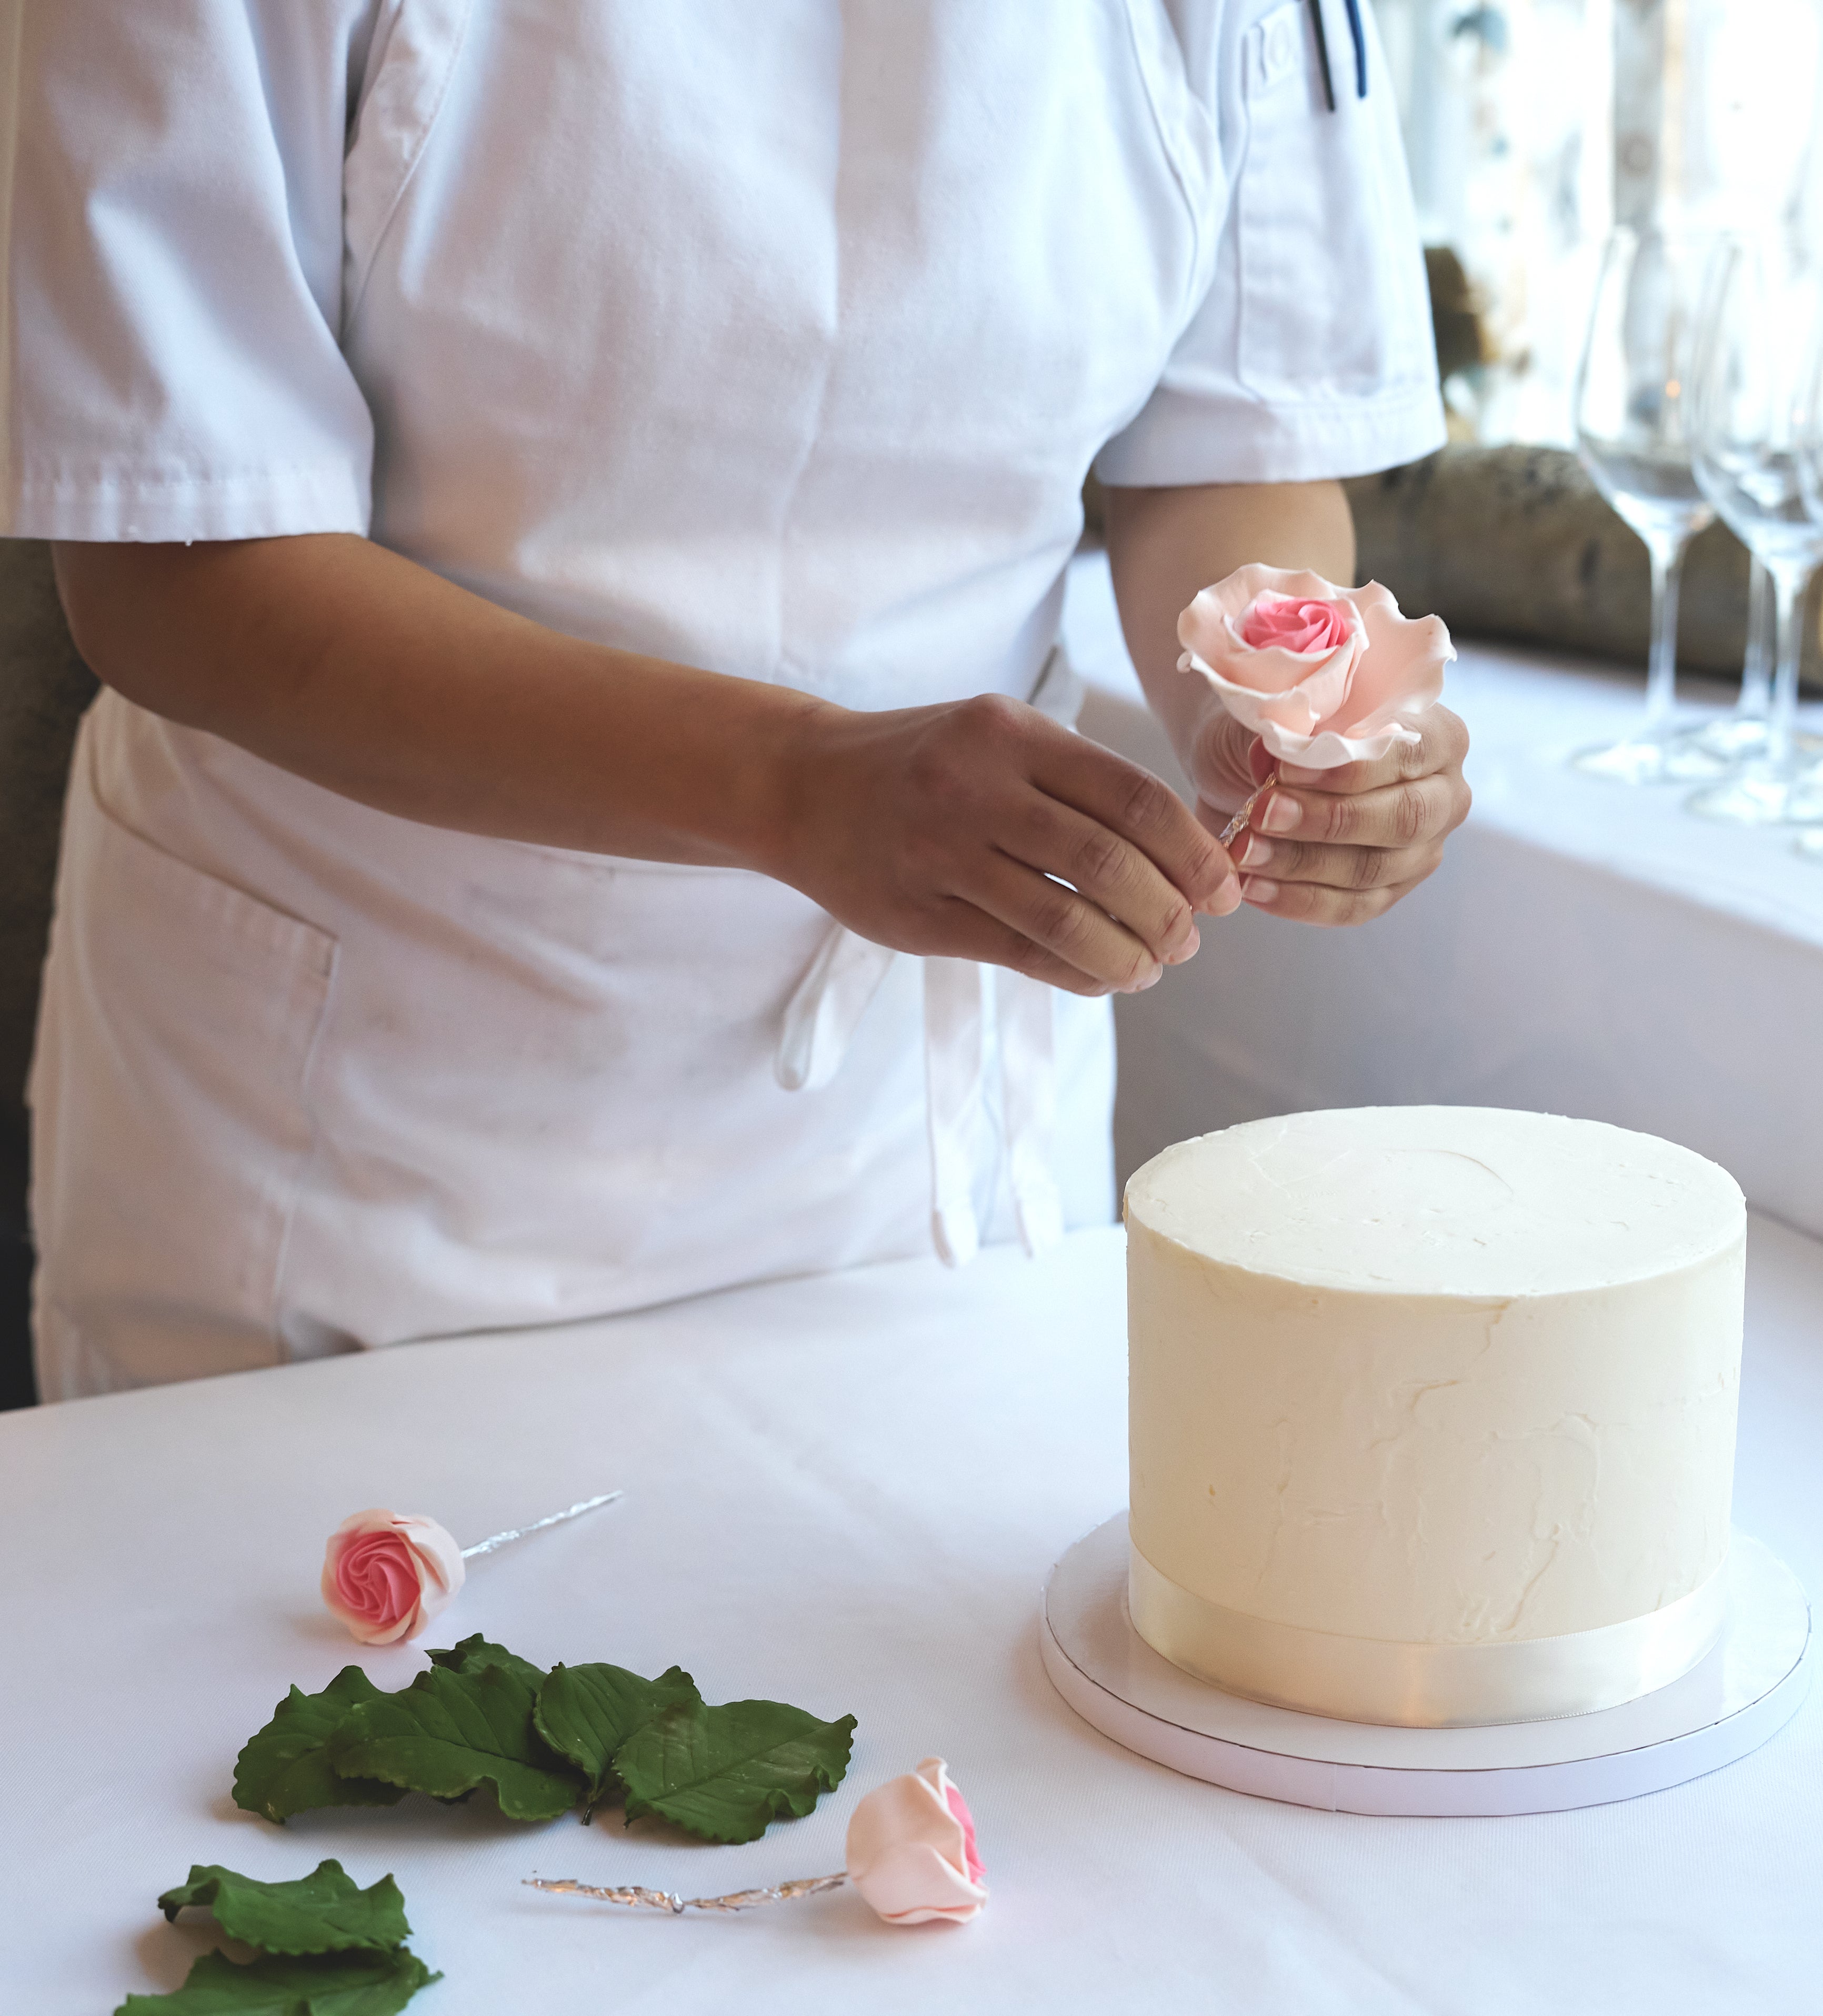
[(823, 1014)]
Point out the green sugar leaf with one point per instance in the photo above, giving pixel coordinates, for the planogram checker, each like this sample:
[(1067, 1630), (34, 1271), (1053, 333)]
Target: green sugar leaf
[(474, 1653), (586, 1713), (724, 1773), (350, 1984), (449, 1732), (285, 1768), (325, 1912)]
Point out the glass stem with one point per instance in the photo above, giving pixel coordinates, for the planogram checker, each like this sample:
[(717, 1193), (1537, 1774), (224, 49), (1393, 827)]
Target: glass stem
[(1788, 584), (1667, 560), (1756, 671)]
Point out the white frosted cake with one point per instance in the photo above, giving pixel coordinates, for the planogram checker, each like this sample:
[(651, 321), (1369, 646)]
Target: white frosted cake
[(1432, 1411)]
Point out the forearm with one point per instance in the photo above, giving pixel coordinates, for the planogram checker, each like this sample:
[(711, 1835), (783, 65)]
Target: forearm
[(1165, 546), (364, 672)]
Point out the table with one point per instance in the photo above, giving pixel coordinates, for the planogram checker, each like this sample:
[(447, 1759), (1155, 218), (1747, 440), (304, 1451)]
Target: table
[(844, 1492), (1585, 949)]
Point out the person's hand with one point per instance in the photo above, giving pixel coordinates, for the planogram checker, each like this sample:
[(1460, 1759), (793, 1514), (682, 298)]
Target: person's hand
[(1334, 847), (951, 831)]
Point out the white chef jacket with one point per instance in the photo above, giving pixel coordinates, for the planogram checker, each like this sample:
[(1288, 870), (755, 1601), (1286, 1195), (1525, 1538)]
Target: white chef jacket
[(775, 338)]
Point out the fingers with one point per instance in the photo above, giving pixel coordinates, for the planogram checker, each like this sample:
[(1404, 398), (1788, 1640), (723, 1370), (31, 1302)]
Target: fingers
[(1341, 846), (1112, 873), (963, 931), (1409, 814), (1225, 760), (1138, 809), (1067, 926), (1313, 903), (1356, 868)]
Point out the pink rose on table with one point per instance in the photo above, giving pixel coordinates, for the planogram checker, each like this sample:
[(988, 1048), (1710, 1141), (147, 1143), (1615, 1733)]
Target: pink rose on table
[(1324, 675), (386, 1575), (911, 1849)]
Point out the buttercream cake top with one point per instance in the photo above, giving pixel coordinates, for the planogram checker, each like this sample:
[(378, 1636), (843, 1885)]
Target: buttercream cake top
[(1440, 1200)]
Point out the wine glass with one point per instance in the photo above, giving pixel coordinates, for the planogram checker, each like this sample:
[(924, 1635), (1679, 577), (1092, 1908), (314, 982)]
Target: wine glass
[(1755, 369), (1740, 734), (1631, 433), (1809, 459)]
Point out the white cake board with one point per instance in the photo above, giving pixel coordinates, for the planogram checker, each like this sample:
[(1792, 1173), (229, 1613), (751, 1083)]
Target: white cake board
[(1746, 1690)]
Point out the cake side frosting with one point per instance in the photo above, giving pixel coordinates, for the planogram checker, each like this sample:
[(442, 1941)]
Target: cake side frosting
[(1392, 1416)]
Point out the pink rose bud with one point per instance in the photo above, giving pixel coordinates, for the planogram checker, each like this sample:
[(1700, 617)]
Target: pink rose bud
[(911, 1849), (386, 1575), (1292, 625), (1324, 675)]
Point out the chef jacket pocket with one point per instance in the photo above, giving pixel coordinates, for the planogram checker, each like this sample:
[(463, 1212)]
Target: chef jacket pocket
[(1333, 305), (172, 1126)]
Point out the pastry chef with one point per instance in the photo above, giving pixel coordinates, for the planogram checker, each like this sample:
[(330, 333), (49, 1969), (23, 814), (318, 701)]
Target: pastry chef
[(570, 508)]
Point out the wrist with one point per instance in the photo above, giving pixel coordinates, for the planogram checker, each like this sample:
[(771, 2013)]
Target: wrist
[(783, 769)]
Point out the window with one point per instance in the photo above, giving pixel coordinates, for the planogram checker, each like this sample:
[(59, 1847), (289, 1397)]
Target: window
[(1532, 125)]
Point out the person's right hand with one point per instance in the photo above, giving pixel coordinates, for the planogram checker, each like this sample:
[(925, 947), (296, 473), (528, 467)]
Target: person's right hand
[(951, 831)]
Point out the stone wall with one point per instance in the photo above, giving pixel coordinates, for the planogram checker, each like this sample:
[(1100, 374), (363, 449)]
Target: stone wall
[(1516, 543)]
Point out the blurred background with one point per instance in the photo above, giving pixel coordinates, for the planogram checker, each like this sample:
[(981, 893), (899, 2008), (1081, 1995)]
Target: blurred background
[(1533, 126)]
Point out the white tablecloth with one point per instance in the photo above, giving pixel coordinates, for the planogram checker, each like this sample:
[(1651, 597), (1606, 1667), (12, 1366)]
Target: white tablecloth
[(1585, 949), (844, 1492)]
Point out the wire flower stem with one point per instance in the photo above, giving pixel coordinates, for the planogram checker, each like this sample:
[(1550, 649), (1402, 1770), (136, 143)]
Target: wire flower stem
[(637, 1898), (1230, 832), (512, 1533)]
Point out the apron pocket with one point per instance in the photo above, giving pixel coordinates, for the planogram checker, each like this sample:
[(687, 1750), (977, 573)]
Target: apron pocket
[(171, 1127)]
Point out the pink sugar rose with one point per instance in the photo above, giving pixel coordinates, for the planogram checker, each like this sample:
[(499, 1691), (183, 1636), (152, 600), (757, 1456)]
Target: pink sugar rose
[(386, 1575), (1324, 675), (911, 1850)]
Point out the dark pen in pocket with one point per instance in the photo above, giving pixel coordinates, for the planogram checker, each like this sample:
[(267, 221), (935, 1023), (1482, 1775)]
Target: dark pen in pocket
[(1357, 34)]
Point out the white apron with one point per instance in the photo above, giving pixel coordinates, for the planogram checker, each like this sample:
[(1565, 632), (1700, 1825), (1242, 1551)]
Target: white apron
[(774, 339)]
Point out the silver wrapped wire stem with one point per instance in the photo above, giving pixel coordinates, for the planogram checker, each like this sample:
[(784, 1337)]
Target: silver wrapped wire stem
[(1231, 831), (637, 1898), (512, 1533)]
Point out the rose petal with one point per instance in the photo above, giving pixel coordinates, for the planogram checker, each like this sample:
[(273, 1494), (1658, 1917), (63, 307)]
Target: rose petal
[(910, 1884), (386, 1574), (1302, 624), (1297, 703), (959, 1806), (1401, 671), (1328, 750), (1397, 671), (911, 1853)]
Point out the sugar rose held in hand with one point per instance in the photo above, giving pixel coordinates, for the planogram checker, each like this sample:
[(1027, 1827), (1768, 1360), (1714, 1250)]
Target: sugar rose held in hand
[(386, 1575), (1324, 675)]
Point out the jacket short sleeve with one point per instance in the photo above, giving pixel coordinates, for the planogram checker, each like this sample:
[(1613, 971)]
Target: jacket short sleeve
[(170, 205), (1310, 354)]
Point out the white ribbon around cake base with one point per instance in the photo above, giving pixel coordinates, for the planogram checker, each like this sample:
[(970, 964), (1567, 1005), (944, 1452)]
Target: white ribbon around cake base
[(1423, 1685)]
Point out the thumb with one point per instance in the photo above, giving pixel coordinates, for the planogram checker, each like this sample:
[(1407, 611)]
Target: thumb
[(1221, 760)]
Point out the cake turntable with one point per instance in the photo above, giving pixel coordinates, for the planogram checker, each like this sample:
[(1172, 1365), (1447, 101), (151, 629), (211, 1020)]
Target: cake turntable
[(1742, 1693)]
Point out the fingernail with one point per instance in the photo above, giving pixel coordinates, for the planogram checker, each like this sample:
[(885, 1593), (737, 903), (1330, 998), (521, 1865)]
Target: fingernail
[(1255, 852), (1282, 813), (1256, 889), (1290, 773), (1189, 949), (1226, 899), (1152, 980)]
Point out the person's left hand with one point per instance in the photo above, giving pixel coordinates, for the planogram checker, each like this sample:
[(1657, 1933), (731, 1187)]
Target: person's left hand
[(1333, 846)]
